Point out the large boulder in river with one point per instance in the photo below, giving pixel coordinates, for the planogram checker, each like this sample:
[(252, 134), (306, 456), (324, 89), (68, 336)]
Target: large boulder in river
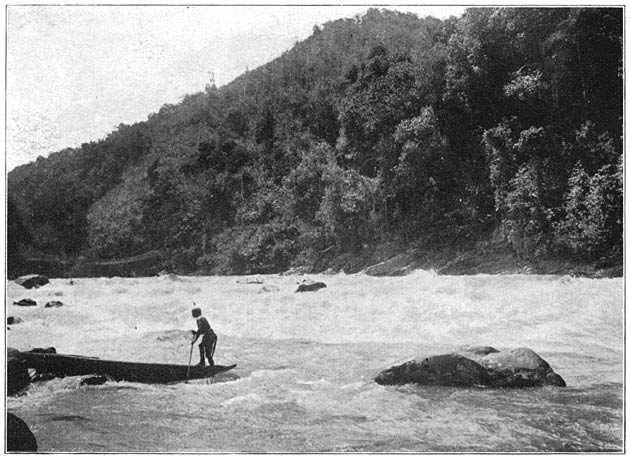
[(307, 287), (18, 377), (20, 438), (448, 370), (32, 281), (475, 366)]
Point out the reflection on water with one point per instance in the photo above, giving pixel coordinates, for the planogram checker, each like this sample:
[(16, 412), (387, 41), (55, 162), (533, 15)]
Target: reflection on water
[(306, 364)]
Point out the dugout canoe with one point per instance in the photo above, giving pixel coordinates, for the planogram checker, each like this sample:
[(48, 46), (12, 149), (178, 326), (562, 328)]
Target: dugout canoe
[(69, 365)]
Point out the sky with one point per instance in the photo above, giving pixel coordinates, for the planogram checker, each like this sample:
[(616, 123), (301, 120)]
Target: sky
[(74, 73)]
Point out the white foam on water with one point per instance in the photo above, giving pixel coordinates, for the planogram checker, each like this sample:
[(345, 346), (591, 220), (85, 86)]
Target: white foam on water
[(306, 361), (504, 311)]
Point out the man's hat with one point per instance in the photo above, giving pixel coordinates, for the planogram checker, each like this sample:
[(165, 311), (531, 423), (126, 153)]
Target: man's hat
[(196, 311)]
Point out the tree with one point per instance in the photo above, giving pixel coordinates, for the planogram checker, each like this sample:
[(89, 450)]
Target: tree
[(593, 226), (347, 209), (423, 181)]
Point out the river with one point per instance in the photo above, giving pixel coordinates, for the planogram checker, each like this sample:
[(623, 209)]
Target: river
[(306, 364)]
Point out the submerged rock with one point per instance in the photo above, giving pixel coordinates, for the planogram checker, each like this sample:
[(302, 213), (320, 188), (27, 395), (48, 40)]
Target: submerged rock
[(475, 366), (269, 289), (20, 438), (25, 302), (306, 287), (32, 281), (93, 380)]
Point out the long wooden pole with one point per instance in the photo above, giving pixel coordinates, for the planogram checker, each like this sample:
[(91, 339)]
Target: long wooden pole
[(189, 360)]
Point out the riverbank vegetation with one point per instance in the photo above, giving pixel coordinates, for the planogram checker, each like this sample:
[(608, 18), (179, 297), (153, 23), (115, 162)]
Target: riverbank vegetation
[(501, 129)]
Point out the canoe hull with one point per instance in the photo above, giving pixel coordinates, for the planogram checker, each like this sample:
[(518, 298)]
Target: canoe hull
[(69, 365)]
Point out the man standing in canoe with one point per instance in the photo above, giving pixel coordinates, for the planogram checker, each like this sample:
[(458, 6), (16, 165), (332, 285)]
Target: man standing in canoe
[(208, 341)]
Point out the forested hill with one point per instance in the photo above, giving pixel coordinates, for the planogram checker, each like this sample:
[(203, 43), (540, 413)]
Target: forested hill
[(503, 127)]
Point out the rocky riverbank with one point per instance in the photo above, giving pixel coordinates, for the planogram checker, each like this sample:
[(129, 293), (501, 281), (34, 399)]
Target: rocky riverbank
[(389, 259), (481, 259)]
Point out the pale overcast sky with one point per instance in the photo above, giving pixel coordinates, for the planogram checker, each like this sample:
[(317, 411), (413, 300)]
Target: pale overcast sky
[(76, 72)]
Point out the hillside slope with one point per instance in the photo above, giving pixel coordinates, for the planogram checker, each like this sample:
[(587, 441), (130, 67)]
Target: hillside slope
[(380, 131)]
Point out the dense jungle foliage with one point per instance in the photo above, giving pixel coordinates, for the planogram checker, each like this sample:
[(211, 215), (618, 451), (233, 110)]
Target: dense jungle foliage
[(504, 125)]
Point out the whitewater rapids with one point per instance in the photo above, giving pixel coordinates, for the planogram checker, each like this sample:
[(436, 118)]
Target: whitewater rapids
[(306, 363)]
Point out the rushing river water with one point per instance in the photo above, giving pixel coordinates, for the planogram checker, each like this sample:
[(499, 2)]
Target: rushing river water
[(306, 364)]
